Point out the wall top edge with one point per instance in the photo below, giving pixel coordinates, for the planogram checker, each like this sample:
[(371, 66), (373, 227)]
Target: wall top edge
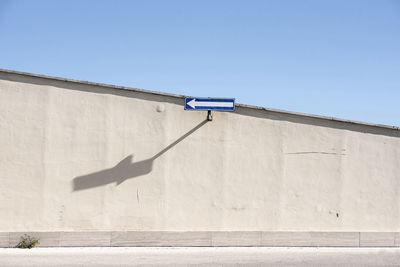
[(177, 96)]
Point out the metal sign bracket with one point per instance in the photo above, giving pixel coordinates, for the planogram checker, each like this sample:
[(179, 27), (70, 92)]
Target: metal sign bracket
[(209, 115)]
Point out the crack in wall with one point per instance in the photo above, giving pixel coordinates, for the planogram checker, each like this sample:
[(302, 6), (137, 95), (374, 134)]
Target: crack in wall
[(315, 152)]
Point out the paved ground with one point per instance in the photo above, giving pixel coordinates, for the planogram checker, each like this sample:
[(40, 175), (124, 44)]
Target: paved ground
[(201, 257)]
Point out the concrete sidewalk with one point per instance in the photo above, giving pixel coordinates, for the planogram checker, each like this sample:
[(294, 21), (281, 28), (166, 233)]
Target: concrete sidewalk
[(209, 256)]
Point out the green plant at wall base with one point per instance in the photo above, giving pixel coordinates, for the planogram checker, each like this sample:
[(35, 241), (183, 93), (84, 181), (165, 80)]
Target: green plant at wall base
[(28, 242)]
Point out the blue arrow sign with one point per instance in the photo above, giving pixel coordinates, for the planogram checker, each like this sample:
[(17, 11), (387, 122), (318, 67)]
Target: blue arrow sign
[(203, 103)]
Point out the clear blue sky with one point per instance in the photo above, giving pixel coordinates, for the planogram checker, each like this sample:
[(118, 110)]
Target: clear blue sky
[(334, 58)]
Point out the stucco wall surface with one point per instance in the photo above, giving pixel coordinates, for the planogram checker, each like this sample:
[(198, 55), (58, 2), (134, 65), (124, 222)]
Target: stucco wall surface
[(85, 157)]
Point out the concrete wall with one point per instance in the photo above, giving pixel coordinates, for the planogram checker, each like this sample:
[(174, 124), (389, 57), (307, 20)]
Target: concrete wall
[(86, 157)]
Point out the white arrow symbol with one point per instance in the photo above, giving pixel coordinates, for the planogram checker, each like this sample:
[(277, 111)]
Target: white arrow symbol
[(193, 104)]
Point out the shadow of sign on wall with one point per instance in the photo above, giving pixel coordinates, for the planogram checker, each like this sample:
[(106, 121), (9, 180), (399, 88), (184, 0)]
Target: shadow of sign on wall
[(125, 169)]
